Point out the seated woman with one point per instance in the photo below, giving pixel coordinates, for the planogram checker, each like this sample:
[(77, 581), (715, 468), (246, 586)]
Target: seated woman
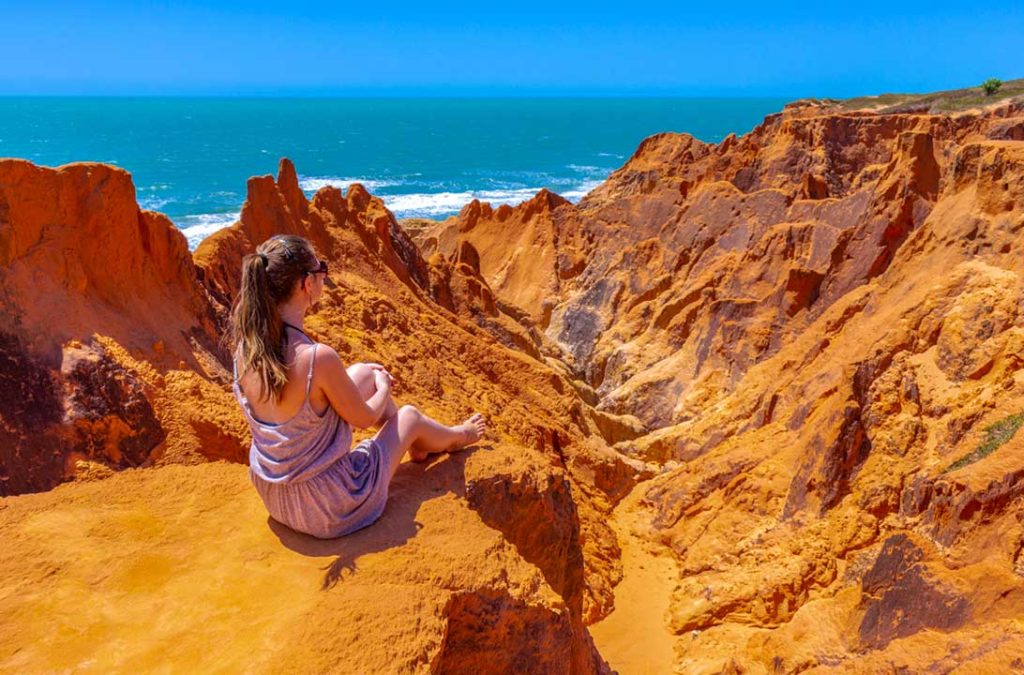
[(301, 403)]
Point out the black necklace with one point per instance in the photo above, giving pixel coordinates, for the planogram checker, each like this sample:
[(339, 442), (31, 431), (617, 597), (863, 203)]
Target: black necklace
[(298, 329)]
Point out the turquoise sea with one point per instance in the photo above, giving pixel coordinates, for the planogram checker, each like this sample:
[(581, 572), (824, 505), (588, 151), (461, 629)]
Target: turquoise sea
[(190, 157)]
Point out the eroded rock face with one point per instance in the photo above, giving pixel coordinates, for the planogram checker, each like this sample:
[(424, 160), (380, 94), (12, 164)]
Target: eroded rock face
[(476, 638), (102, 302), (29, 438), (900, 598), (106, 407), (843, 511), (814, 322), (693, 262), (539, 518), (77, 253)]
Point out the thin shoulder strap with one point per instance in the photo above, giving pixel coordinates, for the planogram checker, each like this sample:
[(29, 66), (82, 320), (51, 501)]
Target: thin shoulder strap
[(312, 362)]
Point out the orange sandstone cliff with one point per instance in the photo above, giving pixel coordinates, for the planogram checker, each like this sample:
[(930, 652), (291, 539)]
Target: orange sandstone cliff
[(820, 326), (511, 539), (754, 409)]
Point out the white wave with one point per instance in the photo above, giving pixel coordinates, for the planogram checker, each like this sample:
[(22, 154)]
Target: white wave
[(581, 191), (433, 204), (427, 204), (584, 168), (153, 203), (610, 154), (198, 227), (447, 203), (314, 183)]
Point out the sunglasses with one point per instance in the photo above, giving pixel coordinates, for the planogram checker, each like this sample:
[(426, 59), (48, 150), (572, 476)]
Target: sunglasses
[(322, 269)]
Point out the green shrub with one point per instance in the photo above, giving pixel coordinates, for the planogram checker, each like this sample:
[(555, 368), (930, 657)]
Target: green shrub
[(995, 435), (991, 85)]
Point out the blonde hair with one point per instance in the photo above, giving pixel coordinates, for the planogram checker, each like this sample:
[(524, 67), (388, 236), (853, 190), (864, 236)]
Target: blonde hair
[(269, 277)]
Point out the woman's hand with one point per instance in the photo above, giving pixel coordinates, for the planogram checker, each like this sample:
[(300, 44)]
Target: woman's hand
[(377, 370), (382, 379)]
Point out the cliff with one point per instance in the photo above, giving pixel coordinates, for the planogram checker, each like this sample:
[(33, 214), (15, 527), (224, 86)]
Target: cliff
[(815, 321), (754, 409), (149, 361), (106, 326)]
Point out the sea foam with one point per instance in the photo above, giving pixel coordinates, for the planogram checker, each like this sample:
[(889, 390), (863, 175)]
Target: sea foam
[(581, 191), (430, 204), (439, 204), (446, 203), (314, 183), (198, 227)]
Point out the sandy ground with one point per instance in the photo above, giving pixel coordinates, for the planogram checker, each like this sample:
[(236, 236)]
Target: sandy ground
[(635, 638)]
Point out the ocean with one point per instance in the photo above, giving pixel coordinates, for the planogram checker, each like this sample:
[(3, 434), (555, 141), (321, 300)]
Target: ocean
[(426, 157)]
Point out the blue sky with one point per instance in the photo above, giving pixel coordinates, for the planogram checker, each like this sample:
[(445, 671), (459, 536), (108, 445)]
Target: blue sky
[(524, 48)]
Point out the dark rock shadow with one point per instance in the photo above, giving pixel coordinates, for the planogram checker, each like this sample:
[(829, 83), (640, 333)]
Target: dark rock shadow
[(412, 485)]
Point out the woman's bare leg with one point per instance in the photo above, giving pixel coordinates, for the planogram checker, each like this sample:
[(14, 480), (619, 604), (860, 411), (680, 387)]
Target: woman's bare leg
[(362, 375), (412, 431)]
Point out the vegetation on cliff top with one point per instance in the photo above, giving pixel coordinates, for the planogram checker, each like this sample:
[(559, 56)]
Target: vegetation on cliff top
[(940, 101)]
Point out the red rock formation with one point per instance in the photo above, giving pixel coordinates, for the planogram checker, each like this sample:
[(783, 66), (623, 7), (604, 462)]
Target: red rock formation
[(102, 306), (689, 247), (817, 319), (525, 252), (865, 409), (76, 247)]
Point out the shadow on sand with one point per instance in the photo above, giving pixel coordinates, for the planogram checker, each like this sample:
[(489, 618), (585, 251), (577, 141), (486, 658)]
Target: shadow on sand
[(412, 485)]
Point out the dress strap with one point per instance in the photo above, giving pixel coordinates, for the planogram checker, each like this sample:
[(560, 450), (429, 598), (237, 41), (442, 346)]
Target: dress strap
[(312, 362)]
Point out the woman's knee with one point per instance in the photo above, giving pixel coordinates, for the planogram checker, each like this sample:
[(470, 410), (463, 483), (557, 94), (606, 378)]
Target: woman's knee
[(362, 375), (409, 411), (360, 371), (408, 416)]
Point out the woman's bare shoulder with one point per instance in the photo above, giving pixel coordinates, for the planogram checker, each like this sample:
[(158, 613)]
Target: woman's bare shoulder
[(326, 355)]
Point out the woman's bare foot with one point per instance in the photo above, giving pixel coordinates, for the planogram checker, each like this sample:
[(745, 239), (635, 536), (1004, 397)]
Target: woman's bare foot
[(472, 429), (469, 432)]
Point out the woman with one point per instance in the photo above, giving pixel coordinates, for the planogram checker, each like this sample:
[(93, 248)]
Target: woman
[(302, 403)]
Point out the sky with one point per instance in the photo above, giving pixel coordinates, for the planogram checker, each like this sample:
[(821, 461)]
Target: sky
[(527, 48)]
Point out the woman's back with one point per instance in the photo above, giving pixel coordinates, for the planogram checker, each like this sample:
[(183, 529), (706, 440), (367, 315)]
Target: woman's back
[(299, 355), (303, 443)]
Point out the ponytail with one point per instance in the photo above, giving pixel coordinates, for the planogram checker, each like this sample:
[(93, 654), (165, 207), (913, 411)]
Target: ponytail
[(268, 278)]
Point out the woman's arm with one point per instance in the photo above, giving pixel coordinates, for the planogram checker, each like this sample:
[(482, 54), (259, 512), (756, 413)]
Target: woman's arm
[(343, 394)]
